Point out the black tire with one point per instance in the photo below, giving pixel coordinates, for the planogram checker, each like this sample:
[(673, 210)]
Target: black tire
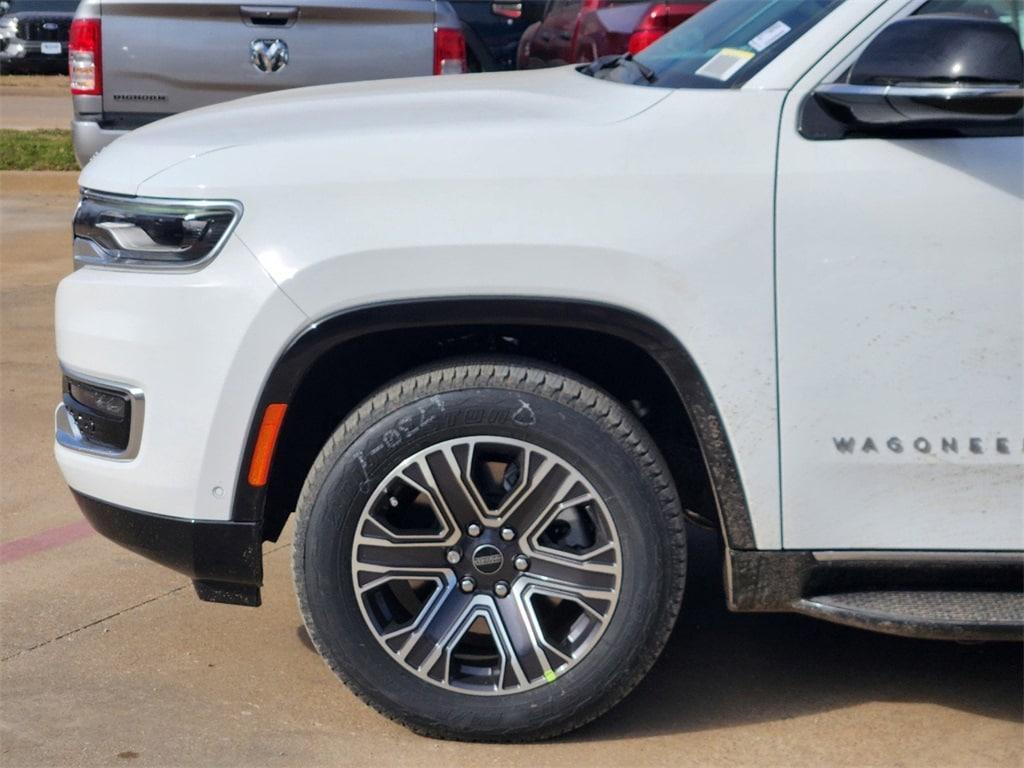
[(567, 417)]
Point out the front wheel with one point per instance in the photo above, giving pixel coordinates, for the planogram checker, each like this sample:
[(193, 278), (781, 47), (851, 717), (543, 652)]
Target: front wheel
[(489, 551)]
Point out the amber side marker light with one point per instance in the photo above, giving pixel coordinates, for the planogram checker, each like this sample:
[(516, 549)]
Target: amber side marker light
[(259, 469)]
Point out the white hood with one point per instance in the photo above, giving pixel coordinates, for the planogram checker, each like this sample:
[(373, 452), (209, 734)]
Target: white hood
[(338, 116)]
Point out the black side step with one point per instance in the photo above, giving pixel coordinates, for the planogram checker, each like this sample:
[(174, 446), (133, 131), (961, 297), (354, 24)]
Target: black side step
[(939, 615)]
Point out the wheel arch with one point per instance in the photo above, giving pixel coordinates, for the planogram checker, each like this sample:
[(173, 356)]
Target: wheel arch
[(368, 346)]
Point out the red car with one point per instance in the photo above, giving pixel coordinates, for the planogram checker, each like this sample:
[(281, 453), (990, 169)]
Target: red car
[(575, 31)]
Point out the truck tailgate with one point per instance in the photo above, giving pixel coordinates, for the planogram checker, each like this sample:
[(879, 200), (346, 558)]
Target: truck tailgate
[(167, 56)]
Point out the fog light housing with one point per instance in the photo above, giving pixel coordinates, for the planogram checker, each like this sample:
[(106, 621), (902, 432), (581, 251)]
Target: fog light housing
[(110, 404), (102, 416)]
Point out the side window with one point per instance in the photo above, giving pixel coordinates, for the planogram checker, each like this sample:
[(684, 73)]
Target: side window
[(1010, 12)]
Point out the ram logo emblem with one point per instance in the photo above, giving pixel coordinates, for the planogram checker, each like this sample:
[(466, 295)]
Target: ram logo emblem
[(268, 55)]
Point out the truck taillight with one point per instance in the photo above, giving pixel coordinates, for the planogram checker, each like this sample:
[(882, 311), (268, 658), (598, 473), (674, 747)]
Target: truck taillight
[(449, 52), (84, 58), (662, 18)]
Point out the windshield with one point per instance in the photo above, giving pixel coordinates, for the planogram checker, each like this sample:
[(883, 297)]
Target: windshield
[(35, 6), (722, 46)]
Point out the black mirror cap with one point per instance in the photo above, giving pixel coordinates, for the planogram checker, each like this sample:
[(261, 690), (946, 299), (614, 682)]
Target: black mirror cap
[(941, 49)]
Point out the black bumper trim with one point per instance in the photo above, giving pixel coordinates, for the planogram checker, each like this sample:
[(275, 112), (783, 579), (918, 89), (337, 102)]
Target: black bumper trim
[(227, 557)]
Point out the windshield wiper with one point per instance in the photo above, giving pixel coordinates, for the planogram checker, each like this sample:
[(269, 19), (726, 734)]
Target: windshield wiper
[(603, 62), (646, 72), (616, 60)]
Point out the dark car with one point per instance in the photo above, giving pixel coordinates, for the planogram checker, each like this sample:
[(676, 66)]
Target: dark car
[(493, 30), (34, 35), (584, 30)]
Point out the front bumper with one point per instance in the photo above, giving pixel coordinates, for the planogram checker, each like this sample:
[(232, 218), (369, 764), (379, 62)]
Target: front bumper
[(224, 559), (28, 54), (197, 347), (192, 348), (12, 48)]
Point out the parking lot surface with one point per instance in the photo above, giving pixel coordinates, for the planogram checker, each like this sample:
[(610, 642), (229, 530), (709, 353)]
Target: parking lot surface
[(109, 660), (28, 102)]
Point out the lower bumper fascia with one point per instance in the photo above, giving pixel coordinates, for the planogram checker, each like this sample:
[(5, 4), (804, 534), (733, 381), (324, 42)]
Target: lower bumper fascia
[(34, 60), (224, 559)]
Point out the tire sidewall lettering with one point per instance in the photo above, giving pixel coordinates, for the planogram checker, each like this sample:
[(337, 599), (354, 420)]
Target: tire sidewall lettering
[(440, 413)]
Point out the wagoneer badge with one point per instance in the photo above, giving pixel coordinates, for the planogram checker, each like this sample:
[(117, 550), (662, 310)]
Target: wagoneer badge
[(268, 55)]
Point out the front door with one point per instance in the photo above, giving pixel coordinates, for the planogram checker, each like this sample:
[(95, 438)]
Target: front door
[(900, 277)]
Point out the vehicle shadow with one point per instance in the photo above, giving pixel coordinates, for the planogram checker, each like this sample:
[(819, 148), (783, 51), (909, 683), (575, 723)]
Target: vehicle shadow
[(722, 669)]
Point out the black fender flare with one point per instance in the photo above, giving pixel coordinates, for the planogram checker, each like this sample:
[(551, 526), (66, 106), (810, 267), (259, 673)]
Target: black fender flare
[(655, 340)]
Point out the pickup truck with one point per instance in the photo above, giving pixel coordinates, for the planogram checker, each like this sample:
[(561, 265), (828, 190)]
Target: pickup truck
[(136, 61), (764, 275), (34, 35)]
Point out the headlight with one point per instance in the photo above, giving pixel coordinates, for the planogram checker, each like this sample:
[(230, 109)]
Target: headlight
[(151, 233)]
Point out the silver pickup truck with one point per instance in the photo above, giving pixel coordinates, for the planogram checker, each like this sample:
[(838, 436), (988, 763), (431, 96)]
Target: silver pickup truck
[(136, 61)]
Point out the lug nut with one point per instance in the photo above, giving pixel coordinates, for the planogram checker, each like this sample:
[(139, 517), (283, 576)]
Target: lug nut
[(507, 534), (474, 530), (521, 562), (453, 556), (468, 584), (501, 588)]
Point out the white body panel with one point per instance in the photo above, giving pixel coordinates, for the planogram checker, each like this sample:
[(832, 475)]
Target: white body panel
[(901, 314), (551, 184)]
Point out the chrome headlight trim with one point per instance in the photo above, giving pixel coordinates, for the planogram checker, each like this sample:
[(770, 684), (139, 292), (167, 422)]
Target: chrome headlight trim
[(87, 252)]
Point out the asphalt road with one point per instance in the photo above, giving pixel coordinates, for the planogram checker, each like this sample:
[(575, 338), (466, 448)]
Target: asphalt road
[(35, 101), (106, 659)]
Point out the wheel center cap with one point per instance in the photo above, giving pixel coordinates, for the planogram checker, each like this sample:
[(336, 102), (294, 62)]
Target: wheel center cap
[(487, 559)]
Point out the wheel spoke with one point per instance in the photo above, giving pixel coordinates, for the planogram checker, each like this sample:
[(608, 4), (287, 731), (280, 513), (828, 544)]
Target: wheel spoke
[(428, 642), (545, 489), (591, 582), (543, 520), (373, 577), (522, 644), (443, 475), (387, 556)]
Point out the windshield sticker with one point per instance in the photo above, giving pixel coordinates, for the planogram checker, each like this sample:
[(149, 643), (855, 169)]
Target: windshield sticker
[(724, 64), (769, 36)]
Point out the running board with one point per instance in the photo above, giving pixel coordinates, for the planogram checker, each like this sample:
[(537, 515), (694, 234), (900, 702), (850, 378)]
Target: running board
[(940, 615)]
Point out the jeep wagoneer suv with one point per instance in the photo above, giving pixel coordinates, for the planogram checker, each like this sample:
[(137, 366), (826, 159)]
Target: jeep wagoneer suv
[(765, 275)]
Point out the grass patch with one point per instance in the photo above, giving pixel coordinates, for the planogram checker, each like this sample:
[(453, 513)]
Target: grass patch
[(36, 151)]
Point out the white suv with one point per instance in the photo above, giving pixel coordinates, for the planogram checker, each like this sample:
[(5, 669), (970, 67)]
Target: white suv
[(493, 338)]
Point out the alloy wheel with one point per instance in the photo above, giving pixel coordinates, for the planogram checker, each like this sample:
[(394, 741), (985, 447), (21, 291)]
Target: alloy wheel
[(486, 565)]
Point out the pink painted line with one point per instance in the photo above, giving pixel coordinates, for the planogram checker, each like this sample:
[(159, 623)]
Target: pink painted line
[(40, 542)]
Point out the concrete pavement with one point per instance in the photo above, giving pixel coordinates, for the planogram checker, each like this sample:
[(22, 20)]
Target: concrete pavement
[(106, 659)]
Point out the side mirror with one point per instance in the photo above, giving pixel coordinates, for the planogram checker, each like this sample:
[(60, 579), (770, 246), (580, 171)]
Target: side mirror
[(948, 74)]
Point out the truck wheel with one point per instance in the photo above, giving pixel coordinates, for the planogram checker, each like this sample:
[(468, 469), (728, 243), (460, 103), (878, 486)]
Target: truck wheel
[(490, 552)]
